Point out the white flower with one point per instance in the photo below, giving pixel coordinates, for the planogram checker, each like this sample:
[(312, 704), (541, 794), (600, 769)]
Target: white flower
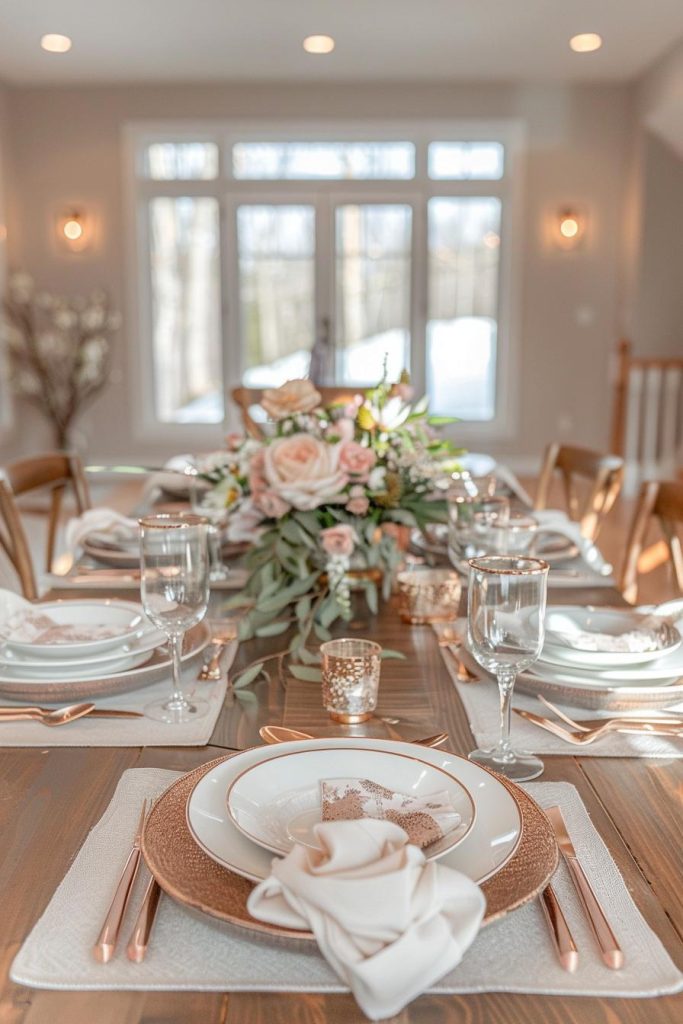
[(64, 318), (214, 461), (244, 525), (93, 318), (377, 478), (21, 286), (224, 495)]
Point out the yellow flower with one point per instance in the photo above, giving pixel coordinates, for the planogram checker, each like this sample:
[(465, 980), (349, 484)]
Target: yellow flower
[(365, 419)]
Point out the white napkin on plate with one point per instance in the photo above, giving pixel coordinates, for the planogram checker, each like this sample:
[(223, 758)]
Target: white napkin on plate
[(389, 923), (99, 520), (556, 521), (10, 604)]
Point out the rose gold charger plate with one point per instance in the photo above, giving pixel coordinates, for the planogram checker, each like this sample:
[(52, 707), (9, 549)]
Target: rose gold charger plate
[(191, 877)]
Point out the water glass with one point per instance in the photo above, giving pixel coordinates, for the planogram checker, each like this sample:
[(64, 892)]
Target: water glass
[(350, 675), (505, 632), (469, 520), (514, 537), (174, 586), (200, 491)]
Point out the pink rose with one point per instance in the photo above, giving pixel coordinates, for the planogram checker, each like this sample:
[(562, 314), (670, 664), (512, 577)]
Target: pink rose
[(338, 540), (257, 480), (234, 442), (357, 460), (293, 397), (272, 505), (351, 409), (357, 506), (304, 471), (345, 428)]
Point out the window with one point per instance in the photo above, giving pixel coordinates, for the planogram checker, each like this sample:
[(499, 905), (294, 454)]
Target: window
[(264, 256)]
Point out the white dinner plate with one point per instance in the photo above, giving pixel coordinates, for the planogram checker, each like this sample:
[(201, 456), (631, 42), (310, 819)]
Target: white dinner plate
[(121, 620), (119, 554), (613, 621), (277, 802), (47, 667), (489, 844), (120, 664), (102, 682)]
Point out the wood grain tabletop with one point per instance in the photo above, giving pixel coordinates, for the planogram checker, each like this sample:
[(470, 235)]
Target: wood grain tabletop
[(51, 798)]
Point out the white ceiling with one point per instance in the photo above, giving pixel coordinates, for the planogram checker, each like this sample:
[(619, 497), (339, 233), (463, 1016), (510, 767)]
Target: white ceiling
[(184, 40)]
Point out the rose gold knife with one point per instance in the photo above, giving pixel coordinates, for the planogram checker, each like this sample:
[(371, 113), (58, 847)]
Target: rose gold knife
[(609, 947), (565, 946), (106, 941), (142, 929)]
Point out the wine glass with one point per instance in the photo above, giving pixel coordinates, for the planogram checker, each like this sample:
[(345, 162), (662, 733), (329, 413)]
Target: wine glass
[(174, 585), (505, 632), (216, 519), (514, 537), (469, 519)]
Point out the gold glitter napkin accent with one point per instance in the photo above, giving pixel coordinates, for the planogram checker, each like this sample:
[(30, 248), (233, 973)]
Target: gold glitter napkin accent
[(426, 818)]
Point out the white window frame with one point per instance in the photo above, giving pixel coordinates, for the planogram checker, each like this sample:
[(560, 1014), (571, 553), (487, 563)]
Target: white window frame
[(231, 192)]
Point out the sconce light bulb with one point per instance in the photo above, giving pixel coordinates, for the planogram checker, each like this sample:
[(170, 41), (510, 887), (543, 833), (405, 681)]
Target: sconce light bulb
[(569, 227), (73, 229)]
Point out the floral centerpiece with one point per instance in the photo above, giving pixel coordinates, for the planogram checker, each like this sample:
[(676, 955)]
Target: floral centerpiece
[(322, 500), (58, 350)]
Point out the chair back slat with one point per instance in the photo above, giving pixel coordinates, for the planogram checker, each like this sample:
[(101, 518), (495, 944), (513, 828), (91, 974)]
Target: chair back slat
[(53, 471), (602, 474), (662, 501), (647, 420)]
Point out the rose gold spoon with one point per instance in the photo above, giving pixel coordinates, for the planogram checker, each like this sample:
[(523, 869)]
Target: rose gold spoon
[(59, 716)]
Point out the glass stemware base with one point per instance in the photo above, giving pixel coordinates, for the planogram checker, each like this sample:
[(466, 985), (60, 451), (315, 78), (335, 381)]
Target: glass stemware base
[(517, 767), (176, 712)]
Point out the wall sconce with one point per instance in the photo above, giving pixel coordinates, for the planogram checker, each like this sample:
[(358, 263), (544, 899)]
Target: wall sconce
[(74, 230), (570, 227)]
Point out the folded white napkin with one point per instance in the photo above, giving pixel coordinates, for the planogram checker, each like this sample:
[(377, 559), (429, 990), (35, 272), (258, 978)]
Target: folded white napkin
[(99, 520), (388, 922), (634, 641), (10, 604), (425, 818), (556, 521)]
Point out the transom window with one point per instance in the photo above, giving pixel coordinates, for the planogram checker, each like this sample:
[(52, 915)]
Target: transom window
[(264, 256)]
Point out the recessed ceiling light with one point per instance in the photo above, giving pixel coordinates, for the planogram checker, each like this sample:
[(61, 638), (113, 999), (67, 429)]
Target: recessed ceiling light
[(585, 42), (55, 43), (318, 44)]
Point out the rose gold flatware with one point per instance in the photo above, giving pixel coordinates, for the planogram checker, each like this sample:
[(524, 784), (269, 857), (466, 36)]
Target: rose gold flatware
[(463, 673), (54, 717), (283, 734), (109, 934), (586, 724), (211, 669), (142, 929), (565, 947), (582, 737), (606, 939), (50, 713)]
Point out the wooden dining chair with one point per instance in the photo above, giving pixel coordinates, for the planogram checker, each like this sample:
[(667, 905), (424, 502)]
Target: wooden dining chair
[(247, 398), (54, 472), (601, 475), (661, 501), (647, 416)]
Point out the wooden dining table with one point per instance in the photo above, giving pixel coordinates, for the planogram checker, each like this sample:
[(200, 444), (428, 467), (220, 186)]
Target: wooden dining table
[(51, 798)]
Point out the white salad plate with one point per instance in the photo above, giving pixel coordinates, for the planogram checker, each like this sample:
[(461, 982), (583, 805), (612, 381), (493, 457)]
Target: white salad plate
[(119, 621), (102, 680), (33, 664), (489, 844), (123, 662), (122, 554), (277, 802), (570, 619)]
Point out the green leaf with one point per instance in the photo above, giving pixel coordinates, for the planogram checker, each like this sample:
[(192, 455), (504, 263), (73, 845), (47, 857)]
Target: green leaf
[(388, 653), (303, 607), (273, 629), (247, 676), (371, 596), (309, 675), (247, 697), (309, 657), (321, 633)]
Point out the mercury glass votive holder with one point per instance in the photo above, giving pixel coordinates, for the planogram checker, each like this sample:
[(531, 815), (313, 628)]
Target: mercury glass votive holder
[(428, 595), (350, 675)]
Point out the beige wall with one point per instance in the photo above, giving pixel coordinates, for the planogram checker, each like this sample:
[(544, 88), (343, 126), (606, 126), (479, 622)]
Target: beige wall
[(658, 322), (66, 146)]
